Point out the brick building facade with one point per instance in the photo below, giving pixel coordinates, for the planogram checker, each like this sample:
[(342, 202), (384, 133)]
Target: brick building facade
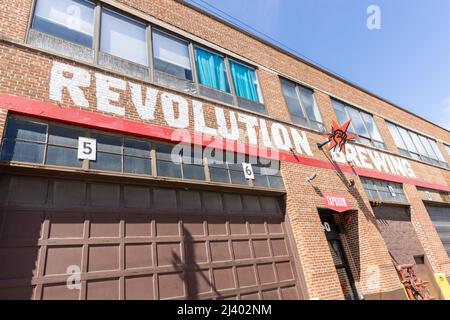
[(57, 210)]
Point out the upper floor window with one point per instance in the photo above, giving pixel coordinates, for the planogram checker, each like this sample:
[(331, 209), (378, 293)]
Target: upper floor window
[(71, 20), (245, 82), (125, 44), (377, 190), (302, 106), (123, 37), (362, 124), (171, 55), (211, 70), (448, 149), (415, 146)]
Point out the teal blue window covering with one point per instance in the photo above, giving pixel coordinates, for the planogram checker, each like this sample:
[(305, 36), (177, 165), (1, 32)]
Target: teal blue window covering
[(244, 80), (211, 70)]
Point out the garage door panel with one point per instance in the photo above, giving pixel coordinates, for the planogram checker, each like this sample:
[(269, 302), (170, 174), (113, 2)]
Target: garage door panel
[(171, 286), (105, 195), (59, 291), (66, 225), (138, 225), (138, 256), (167, 226), (223, 279), (136, 197), (174, 249), (102, 289), (22, 225), (104, 225), (139, 288), (60, 258), (69, 193), (103, 258), (32, 190), (169, 254), (18, 262)]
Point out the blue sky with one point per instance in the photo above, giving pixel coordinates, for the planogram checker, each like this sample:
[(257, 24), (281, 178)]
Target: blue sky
[(407, 61)]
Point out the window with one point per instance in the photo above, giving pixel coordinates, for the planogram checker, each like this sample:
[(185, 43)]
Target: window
[(245, 82), (71, 20), (211, 70), (448, 149), (302, 106), (362, 124), (416, 146), (182, 162), (24, 141), (62, 146), (171, 55), (377, 190), (124, 45), (123, 37)]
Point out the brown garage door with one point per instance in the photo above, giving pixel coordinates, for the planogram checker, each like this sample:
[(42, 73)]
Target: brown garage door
[(140, 242)]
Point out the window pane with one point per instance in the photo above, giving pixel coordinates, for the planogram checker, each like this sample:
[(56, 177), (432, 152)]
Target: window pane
[(137, 165), (261, 181), (310, 106), (22, 151), (418, 144), (219, 175), (407, 139), (238, 177), (168, 169), (107, 162), (396, 136), (448, 149), (108, 143), (193, 172), (123, 37), (358, 124), (428, 147), (372, 127), (276, 182), (72, 20), (136, 148), (341, 114), (25, 130), (164, 152), (436, 150), (293, 103), (211, 70), (63, 136), (245, 83), (171, 55), (61, 156)]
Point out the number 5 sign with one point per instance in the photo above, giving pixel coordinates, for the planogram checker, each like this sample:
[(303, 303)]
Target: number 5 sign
[(248, 171), (87, 149)]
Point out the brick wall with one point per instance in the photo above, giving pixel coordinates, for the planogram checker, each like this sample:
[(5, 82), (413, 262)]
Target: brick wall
[(25, 72)]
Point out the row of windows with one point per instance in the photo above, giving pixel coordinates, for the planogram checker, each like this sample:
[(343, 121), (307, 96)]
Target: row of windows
[(214, 75), (47, 143), (362, 124), (175, 61), (416, 146), (377, 190)]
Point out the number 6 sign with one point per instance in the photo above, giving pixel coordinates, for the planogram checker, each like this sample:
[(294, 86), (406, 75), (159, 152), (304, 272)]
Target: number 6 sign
[(248, 171), (87, 149)]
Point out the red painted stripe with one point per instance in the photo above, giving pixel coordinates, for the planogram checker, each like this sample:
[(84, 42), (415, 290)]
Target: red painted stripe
[(48, 111)]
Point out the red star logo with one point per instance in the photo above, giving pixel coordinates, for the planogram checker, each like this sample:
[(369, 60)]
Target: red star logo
[(339, 136)]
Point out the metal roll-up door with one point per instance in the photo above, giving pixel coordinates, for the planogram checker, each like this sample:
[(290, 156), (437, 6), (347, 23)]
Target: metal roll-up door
[(441, 220), (77, 239)]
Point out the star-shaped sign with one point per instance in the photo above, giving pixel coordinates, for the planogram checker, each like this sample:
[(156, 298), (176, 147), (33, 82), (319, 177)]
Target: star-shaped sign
[(339, 136)]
